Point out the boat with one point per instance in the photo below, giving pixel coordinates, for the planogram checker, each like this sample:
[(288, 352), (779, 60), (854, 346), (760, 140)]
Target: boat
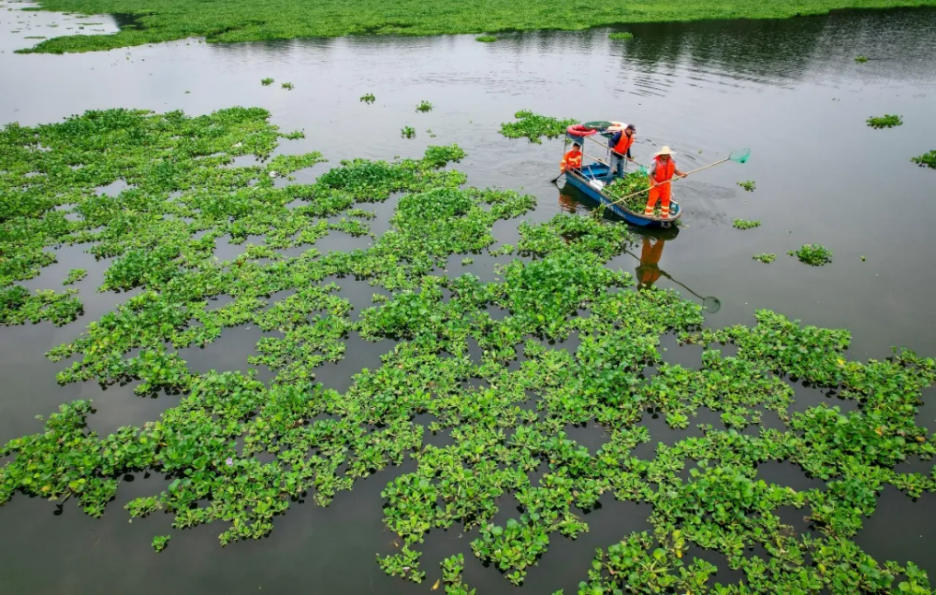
[(591, 179)]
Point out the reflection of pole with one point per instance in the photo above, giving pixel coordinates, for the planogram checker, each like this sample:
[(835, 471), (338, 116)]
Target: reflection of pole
[(710, 303)]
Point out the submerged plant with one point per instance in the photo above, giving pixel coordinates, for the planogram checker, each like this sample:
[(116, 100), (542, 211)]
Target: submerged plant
[(885, 121), (534, 126), (813, 254)]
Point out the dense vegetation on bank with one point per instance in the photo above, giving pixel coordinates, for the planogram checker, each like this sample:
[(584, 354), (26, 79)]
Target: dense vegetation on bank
[(247, 20), (478, 389)]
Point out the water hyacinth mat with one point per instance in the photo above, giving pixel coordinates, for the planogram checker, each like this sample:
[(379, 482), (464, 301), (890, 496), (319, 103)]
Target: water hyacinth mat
[(239, 451)]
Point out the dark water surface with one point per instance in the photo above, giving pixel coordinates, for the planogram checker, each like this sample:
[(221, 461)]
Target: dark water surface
[(790, 90)]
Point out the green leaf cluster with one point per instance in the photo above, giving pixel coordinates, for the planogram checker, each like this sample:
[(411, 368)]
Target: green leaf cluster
[(534, 126)]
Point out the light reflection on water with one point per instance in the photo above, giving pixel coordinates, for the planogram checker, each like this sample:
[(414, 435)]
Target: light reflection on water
[(789, 89)]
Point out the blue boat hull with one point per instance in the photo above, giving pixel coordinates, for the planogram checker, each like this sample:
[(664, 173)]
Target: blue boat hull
[(585, 181)]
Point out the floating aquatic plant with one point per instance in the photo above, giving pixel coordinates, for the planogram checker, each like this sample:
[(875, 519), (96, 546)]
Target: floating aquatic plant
[(238, 452), (748, 185), (534, 126), (861, 59), (287, 86), (812, 254), (745, 224), (368, 98), (885, 121), (74, 275), (486, 38), (407, 132), (765, 257), (424, 106), (926, 159), (621, 35), (266, 81)]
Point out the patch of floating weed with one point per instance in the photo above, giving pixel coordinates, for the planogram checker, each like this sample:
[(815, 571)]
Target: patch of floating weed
[(407, 132), (239, 452), (765, 257), (266, 81), (621, 35), (926, 159), (812, 254), (160, 542), (534, 126), (748, 185), (885, 121), (424, 106), (74, 275), (287, 86), (745, 224), (861, 59), (368, 98)]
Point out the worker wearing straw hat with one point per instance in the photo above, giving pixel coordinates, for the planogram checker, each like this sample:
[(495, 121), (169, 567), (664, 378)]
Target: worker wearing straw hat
[(661, 172)]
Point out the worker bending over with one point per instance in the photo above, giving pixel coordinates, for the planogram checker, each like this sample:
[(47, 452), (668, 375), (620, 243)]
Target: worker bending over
[(661, 172)]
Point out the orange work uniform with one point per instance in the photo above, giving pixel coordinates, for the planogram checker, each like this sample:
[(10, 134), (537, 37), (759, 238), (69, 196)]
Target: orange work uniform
[(648, 271), (662, 174), (571, 160)]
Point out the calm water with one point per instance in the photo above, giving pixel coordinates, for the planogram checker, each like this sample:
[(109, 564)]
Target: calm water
[(790, 90)]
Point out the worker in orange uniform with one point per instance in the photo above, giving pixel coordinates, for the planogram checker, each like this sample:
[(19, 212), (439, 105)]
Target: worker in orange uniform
[(661, 172), (620, 144), (572, 159)]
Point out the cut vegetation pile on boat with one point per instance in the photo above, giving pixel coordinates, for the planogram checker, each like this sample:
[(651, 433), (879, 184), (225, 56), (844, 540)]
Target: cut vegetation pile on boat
[(238, 452)]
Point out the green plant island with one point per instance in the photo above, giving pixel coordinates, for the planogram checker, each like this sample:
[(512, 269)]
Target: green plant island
[(245, 20), (237, 452)]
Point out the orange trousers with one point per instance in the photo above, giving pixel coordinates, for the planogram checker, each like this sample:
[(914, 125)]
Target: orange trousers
[(657, 193)]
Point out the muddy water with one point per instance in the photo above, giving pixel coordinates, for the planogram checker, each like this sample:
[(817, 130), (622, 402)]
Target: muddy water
[(789, 90)]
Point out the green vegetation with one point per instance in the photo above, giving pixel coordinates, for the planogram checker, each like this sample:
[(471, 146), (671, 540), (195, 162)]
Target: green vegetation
[(160, 542), (634, 186), (424, 106), (926, 159), (621, 35), (368, 98), (748, 185), (812, 254), (238, 452), (885, 121), (765, 257), (266, 81), (861, 59), (407, 132), (287, 86), (534, 127), (745, 224), (246, 20), (75, 275), (486, 38)]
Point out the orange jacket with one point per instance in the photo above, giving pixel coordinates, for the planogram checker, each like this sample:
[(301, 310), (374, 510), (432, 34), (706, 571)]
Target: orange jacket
[(571, 160), (663, 172), (623, 144)]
